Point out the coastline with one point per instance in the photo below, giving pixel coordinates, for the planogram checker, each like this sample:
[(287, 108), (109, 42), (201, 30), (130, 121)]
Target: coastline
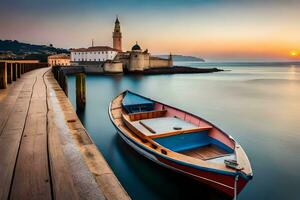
[(95, 70)]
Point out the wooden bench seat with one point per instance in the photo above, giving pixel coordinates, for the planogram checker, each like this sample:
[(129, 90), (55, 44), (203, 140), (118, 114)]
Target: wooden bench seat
[(147, 115), (192, 130)]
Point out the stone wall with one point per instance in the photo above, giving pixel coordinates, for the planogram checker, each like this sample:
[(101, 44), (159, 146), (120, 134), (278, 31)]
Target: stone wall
[(113, 67), (158, 62), (137, 61)]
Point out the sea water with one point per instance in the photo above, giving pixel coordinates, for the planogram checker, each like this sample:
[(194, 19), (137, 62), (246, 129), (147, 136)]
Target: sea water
[(257, 103)]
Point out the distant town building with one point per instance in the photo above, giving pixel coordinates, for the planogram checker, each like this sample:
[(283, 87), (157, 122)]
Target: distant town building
[(59, 59), (136, 59), (139, 60), (114, 60), (93, 54)]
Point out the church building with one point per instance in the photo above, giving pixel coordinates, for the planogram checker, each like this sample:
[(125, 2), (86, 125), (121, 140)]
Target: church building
[(115, 59), (136, 59)]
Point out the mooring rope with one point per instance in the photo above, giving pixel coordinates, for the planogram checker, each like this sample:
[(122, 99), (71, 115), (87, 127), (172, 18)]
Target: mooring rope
[(235, 186)]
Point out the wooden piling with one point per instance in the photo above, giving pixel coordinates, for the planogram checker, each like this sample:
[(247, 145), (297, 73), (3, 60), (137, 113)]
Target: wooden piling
[(22, 68), (18, 70), (62, 81), (25, 67), (65, 85), (80, 91), (9, 72), (15, 71), (3, 75)]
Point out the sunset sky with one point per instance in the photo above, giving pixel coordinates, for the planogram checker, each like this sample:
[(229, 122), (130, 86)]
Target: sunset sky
[(212, 29)]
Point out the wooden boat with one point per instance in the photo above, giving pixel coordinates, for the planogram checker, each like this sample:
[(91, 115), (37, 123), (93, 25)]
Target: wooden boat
[(181, 141)]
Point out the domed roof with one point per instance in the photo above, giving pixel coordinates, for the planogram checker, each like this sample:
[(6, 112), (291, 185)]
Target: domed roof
[(136, 47)]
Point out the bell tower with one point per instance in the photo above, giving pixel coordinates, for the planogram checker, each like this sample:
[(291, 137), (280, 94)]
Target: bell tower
[(117, 36)]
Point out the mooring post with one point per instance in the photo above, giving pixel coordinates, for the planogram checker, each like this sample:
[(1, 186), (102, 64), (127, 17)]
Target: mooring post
[(55, 72), (28, 67), (22, 68), (25, 67), (60, 77), (80, 90), (65, 84), (15, 71), (9, 72), (62, 81), (18, 70), (3, 75)]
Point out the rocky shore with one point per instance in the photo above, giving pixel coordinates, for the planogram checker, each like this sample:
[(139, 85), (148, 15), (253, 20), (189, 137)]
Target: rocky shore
[(176, 70)]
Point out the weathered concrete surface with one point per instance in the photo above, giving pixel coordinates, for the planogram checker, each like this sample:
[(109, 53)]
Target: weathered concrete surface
[(45, 152)]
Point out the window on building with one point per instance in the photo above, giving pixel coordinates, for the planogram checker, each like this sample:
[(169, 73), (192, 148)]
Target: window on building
[(95, 59)]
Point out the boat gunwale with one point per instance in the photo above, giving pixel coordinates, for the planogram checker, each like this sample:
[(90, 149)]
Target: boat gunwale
[(214, 126)]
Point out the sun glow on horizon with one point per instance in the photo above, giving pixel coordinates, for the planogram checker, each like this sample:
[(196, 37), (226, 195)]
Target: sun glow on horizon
[(294, 53)]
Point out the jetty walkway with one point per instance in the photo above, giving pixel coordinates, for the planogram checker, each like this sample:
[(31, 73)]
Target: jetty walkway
[(45, 152)]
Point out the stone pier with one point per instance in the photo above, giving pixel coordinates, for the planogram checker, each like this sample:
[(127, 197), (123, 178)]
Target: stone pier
[(45, 152)]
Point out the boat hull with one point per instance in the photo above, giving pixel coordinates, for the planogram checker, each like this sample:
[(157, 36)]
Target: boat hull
[(216, 175), (221, 182)]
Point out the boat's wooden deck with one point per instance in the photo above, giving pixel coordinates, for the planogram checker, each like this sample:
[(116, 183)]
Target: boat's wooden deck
[(205, 153), (164, 126)]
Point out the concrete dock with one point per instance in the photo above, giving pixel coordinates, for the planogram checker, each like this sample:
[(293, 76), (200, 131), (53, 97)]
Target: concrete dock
[(45, 152)]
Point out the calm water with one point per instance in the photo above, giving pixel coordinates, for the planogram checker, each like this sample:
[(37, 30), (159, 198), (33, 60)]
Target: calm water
[(259, 105)]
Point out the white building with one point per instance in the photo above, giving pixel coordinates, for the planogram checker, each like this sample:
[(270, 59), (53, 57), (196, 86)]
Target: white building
[(93, 54)]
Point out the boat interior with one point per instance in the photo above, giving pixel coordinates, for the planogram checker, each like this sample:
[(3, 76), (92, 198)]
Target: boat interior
[(175, 130)]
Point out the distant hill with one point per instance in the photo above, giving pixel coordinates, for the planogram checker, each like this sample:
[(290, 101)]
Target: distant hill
[(13, 49), (182, 58)]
